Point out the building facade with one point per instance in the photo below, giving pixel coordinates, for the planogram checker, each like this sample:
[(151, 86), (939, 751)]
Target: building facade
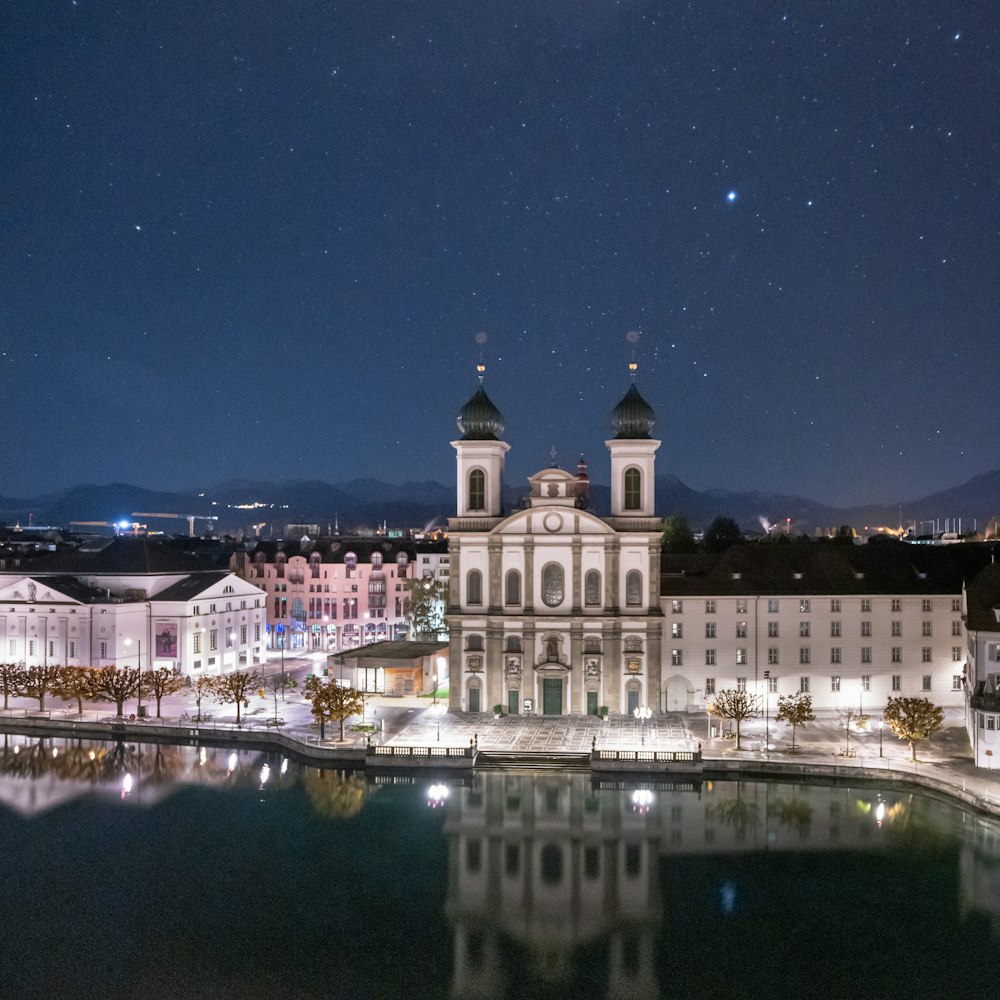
[(981, 604), (336, 593), (552, 609), (130, 602), (850, 625)]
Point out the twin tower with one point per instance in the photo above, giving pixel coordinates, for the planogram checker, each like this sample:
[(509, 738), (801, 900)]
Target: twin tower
[(552, 609)]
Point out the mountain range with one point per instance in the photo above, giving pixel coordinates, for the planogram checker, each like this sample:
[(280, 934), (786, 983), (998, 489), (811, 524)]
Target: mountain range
[(238, 504)]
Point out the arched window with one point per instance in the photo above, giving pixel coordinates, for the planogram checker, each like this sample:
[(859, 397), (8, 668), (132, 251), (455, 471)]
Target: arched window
[(591, 644), (513, 644), (553, 585), (633, 489), (474, 587), (633, 588), (592, 588), (351, 560), (512, 594), (633, 644), (477, 490), (376, 560), (314, 561)]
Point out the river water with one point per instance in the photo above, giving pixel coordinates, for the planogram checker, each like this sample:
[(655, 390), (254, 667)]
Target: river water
[(142, 871)]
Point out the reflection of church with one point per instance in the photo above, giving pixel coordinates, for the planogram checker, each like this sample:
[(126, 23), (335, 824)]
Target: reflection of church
[(558, 889), (551, 606)]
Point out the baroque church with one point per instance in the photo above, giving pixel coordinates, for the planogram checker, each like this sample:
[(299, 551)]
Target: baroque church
[(552, 609)]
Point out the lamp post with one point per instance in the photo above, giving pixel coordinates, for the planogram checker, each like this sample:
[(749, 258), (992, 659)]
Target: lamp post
[(138, 706), (881, 723), (642, 714), (767, 712)]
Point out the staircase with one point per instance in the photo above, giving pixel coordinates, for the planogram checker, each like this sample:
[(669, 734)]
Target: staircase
[(495, 760)]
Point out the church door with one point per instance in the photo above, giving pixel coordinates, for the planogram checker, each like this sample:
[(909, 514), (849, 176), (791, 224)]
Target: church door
[(633, 700), (512, 701), (591, 703), (551, 696), (474, 699)]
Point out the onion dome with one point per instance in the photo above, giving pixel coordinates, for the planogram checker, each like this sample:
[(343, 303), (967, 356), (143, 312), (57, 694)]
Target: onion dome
[(633, 417), (479, 419)]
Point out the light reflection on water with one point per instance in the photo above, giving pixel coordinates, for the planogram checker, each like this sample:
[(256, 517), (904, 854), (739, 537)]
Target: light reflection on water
[(511, 884)]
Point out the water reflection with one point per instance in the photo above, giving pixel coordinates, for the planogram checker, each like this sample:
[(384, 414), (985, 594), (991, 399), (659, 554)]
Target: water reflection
[(548, 875), (511, 884)]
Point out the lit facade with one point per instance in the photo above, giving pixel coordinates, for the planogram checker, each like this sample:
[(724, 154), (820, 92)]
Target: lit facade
[(130, 602)]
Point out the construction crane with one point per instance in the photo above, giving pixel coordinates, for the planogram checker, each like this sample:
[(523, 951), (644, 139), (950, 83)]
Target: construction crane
[(190, 518)]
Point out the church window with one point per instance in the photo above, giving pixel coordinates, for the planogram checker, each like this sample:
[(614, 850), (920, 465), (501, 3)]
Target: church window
[(513, 587), (553, 585), (633, 588), (477, 490), (474, 587), (592, 588), (633, 489), (513, 644)]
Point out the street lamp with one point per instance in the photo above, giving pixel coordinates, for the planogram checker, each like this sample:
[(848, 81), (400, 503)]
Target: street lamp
[(138, 707), (767, 712), (642, 714)]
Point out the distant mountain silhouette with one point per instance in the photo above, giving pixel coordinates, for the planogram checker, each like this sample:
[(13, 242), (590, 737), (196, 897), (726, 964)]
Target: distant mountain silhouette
[(369, 502)]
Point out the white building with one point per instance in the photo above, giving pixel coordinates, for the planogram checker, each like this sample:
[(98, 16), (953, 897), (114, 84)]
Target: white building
[(128, 602), (551, 608), (982, 619)]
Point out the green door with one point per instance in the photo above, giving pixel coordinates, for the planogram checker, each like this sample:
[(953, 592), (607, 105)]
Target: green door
[(474, 699), (633, 701), (591, 703), (512, 702), (551, 696)]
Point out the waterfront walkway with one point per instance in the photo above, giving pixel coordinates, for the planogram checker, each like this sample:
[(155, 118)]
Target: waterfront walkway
[(943, 763)]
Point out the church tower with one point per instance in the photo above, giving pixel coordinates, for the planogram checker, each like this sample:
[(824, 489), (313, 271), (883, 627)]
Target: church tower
[(633, 456), (480, 456)]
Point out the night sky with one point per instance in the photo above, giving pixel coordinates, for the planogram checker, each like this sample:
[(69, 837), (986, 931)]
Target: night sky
[(258, 239)]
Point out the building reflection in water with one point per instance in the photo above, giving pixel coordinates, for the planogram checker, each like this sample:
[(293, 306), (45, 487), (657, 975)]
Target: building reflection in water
[(556, 872)]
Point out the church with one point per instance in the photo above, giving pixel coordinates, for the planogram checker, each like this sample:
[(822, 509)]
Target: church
[(552, 609)]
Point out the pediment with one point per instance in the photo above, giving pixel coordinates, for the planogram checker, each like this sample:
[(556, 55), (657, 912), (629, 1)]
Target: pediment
[(31, 591), (553, 520)]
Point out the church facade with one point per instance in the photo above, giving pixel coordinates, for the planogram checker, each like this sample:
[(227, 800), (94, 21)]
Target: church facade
[(552, 609)]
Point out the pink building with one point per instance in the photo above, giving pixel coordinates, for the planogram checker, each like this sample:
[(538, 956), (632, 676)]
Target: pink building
[(330, 594)]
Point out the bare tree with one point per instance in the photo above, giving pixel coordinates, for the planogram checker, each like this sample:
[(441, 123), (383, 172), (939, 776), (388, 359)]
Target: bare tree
[(332, 702), (38, 681), (848, 718), (204, 686), (116, 684), (276, 684), (738, 706), (79, 683), (159, 683), (236, 688), (11, 675), (913, 719), (796, 709)]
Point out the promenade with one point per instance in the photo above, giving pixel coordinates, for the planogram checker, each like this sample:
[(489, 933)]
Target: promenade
[(823, 747)]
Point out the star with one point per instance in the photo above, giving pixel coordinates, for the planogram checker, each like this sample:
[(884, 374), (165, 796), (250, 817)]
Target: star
[(731, 197)]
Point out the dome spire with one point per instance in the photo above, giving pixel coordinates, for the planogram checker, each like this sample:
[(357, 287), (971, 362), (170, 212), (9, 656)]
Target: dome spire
[(633, 417), (479, 419)]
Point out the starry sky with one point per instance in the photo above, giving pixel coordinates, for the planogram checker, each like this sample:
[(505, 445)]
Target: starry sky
[(259, 239)]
